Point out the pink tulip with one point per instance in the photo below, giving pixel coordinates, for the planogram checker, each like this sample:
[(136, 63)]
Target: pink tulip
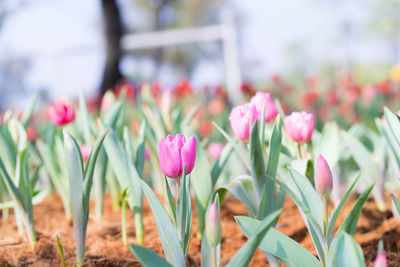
[(213, 225), (107, 100), (85, 151), (214, 150), (174, 153), (300, 126), (61, 113), (241, 117), (166, 101), (380, 260), (261, 99), (323, 178)]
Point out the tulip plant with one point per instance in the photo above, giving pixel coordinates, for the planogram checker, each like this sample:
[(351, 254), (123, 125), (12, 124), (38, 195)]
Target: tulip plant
[(330, 248), (80, 184)]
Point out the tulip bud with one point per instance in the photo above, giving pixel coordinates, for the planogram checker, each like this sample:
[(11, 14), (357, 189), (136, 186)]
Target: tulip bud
[(213, 225), (166, 101), (300, 126), (107, 100), (174, 153), (240, 118), (214, 150), (323, 178), (380, 260), (61, 113), (85, 151), (395, 73), (264, 99)]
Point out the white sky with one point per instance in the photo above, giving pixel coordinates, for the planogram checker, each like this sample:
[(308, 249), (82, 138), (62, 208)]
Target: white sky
[(65, 39)]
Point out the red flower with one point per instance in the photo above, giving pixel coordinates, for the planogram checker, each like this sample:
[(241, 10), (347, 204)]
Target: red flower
[(183, 88), (206, 128)]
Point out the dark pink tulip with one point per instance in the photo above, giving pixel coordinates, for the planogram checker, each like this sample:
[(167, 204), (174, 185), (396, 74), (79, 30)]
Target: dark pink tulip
[(323, 178), (174, 152), (240, 118), (380, 260), (214, 150), (261, 99), (61, 113), (300, 126)]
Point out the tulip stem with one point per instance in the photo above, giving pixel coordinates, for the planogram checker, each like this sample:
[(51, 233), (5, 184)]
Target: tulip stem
[(326, 216), (123, 222), (300, 150), (214, 256)]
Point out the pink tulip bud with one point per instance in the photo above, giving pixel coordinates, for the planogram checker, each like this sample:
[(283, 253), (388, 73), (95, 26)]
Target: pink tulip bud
[(107, 100), (213, 225), (323, 178), (261, 99), (85, 151), (166, 101), (380, 260), (174, 153), (61, 113), (241, 117), (300, 126), (214, 150)]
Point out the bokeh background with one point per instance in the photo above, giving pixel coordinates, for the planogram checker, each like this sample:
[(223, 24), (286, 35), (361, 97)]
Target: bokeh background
[(59, 47)]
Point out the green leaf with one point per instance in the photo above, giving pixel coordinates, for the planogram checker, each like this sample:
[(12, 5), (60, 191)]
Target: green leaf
[(171, 201), (268, 197), (148, 257), (257, 158), (221, 162), (61, 251), (336, 212), (140, 151), (345, 252), (244, 255), (350, 223), (329, 145), (79, 212), (29, 110), (279, 245), (166, 230), (84, 119), (396, 202), (242, 187), (111, 118)]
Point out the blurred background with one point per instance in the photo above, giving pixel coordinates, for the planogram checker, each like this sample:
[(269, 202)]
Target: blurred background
[(62, 46)]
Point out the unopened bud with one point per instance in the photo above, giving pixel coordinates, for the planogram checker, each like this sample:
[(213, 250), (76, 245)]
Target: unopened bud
[(323, 178), (213, 225)]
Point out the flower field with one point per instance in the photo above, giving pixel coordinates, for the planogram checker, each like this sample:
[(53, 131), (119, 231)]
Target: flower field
[(146, 176)]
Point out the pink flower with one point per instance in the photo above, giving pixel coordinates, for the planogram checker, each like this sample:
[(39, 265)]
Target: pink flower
[(214, 149), (107, 100), (380, 260), (85, 151), (323, 178), (166, 101), (61, 113), (241, 117), (174, 153), (261, 99), (300, 126)]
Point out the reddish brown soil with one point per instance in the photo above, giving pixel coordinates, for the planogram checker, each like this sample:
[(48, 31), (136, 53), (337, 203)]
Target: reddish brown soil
[(105, 248)]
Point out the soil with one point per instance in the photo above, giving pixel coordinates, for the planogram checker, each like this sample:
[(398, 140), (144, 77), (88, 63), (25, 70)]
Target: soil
[(105, 248)]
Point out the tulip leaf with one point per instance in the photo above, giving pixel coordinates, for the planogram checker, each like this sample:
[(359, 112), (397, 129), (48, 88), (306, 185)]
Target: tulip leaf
[(350, 223), (242, 187), (84, 119), (336, 212), (345, 252), (221, 162), (396, 202), (268, 194), (184, 211), (312, 223), (166, 230), (148, 257), (391, 130), (279, 245), (171, 201), (240, 150), (245, 253), (29, 110), (257, 158), (140, 151)]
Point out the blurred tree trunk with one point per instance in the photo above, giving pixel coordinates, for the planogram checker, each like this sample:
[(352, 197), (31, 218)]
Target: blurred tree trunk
[(113, 31)]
